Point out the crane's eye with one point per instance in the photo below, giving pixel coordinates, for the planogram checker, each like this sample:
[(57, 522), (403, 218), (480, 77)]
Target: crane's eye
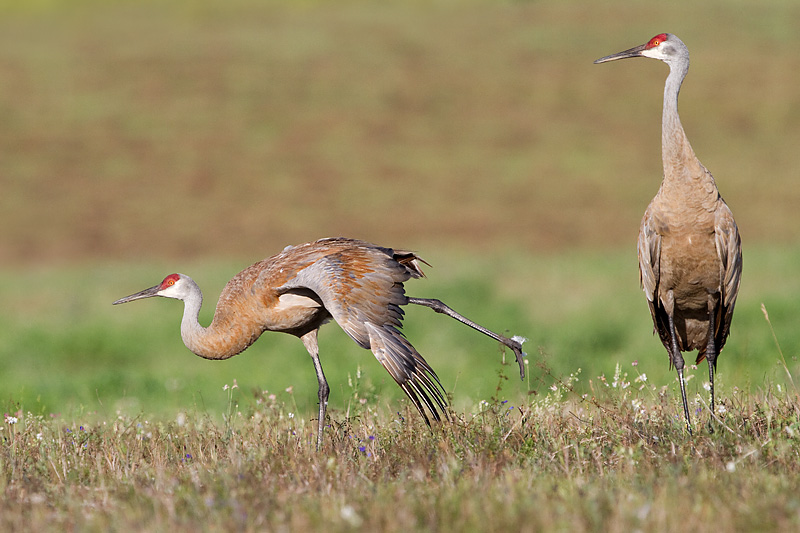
[(169, 281), (657, 40)]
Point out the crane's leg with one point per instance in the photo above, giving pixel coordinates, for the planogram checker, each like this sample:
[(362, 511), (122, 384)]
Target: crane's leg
[(515, 343), (310, 342), (711, 349), (676, 356)]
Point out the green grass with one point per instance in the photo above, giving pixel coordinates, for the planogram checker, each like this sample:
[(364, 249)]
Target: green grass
[(67, 349), (618, 461), (143, 138)]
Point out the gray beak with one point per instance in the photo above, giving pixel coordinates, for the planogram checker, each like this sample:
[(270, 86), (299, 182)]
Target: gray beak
[(636, 51), (147, 293)]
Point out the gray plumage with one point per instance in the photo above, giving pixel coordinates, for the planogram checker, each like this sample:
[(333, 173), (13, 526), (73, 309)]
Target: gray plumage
[(355, 283), (690, 253)]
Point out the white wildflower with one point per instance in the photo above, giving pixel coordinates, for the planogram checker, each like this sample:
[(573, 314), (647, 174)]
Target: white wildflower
[(350, 516)]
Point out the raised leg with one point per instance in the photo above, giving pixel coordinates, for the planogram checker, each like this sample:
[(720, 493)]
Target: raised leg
[(514, 343), (310, 342)]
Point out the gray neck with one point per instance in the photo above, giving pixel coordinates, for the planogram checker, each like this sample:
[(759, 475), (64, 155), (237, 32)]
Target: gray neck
[(191, 330), (673, 138), (222, 339)]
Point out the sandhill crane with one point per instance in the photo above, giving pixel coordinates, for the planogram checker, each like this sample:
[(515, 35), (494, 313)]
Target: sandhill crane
[(358, 284), (690, 253)]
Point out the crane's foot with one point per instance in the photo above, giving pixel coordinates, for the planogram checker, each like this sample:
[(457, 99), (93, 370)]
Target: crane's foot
[(516, 346)]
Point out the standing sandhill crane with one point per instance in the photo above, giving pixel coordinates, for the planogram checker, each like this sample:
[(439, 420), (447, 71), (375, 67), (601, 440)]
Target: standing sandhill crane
[(358, 284), (690, 253)]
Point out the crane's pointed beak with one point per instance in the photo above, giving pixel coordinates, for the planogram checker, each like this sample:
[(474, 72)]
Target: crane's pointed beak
[(147, 293), (636, 51)]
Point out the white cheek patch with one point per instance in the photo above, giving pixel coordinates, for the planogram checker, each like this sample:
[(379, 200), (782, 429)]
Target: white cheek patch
[(652, 53)]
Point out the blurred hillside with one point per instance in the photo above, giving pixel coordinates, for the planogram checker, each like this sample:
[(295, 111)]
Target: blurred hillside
[(208, 128)]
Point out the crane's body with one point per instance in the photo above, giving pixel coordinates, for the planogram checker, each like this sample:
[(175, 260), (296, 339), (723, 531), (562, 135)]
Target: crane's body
[(690, 255), (355, 283)]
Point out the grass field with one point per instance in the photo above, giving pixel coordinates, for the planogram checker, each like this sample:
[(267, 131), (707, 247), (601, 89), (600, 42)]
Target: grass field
[(620, 461), (143, 138)]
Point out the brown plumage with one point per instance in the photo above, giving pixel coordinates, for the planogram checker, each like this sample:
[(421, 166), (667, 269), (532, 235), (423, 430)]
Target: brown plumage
[(355, 283), (690, 253)]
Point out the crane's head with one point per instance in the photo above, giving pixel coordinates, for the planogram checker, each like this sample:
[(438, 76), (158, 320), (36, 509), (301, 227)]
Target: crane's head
[(664, 46), (177, 286)]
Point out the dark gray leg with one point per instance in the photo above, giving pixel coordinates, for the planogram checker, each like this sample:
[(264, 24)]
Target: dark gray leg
[(310, 342), (711, 348), (677, 357), (440, 307)]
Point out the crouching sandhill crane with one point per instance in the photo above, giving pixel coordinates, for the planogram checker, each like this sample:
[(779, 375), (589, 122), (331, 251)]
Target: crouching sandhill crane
[(690, 253), (358, 284)]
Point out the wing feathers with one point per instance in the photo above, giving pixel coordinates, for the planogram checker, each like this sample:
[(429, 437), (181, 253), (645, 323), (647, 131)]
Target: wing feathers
[(361, 286), (408, 368)]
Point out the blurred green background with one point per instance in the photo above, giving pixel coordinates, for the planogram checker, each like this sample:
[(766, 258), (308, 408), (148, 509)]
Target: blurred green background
[(142, 138)]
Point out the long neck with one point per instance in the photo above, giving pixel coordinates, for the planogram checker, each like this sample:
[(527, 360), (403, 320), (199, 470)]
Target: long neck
[(675, 146), (218, 341)]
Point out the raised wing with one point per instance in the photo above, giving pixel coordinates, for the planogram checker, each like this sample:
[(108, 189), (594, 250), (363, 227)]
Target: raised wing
[(361, 286)]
